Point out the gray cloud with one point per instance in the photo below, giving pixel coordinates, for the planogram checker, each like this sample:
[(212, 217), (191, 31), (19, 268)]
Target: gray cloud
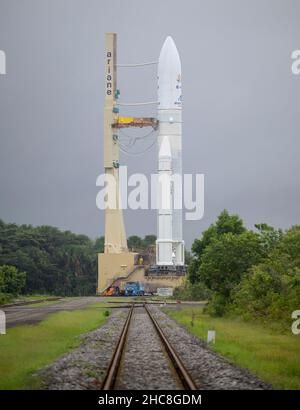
[(241, 105)]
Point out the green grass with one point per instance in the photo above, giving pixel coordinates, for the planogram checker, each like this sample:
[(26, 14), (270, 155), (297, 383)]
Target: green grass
[(34, 297), (26, 348), (28, 298), (273, 357)]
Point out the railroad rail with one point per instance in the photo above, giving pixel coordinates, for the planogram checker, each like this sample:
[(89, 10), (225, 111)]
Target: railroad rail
[(111, 377)]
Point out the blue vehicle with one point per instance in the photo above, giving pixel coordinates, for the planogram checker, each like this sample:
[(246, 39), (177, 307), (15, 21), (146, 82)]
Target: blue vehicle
[(134, 289)]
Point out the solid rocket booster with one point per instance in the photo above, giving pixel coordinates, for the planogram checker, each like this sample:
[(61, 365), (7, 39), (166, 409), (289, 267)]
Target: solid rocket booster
[(169, 245)]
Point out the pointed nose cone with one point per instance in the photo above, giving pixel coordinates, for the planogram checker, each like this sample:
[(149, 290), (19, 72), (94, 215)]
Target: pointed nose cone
[(169, 76), (165, 148), (169, 53)]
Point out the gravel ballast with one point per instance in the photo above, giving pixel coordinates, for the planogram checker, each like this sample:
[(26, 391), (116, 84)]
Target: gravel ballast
[(209, 370), (144, 364), (84, 367)]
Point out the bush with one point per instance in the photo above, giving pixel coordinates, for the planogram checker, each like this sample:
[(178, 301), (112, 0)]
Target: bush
[(217, 305), (267, 295), (5, 298), (12, 280), (227, 258), (197, 291), (252, 275)]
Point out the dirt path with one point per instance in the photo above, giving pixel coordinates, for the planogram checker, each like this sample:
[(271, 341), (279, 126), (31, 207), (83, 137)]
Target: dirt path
[(19, 315)]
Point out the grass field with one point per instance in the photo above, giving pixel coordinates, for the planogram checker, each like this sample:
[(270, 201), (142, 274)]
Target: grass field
[(274, 357), (34, 298), (26, 348)]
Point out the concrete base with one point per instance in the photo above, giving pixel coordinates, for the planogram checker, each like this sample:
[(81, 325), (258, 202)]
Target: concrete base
[(151, 283), (121, 267)]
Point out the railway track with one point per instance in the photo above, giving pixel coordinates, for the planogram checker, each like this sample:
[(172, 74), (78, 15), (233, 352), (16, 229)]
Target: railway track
[(145, 357)]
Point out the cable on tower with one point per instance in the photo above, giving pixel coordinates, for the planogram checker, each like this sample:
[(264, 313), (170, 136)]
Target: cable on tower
[(138, 64)]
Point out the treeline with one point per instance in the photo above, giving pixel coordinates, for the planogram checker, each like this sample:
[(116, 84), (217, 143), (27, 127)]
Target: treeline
[(135, 243), (252, 274), (54, 261), (47, 260)]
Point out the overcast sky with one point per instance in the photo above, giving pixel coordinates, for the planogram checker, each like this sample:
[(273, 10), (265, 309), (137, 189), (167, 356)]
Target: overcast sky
[(240, 110)]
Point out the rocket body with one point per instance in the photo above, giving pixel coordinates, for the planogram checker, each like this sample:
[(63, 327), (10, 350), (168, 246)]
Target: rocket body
[(169, 244)]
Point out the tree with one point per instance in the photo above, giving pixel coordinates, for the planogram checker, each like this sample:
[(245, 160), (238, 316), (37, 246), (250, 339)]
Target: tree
[(290, 245), (149, 240), (227, 258), (187, 257), (225, 223), (269, 236), (1, 281), (11, 280), (99, 245), (270, 290), (135, 242), (56, 262), (229, 224), (267, 294)]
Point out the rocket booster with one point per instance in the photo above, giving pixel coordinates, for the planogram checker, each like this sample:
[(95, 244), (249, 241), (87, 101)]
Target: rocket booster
[(169, 244)]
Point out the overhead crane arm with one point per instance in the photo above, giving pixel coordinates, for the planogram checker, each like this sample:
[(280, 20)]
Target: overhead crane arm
[(126, 122)]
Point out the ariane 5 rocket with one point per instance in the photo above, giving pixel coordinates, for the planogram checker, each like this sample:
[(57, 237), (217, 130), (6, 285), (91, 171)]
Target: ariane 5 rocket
[(169, 244)]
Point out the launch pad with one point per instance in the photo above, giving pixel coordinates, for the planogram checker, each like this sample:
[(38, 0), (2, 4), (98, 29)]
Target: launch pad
[(117, 264)]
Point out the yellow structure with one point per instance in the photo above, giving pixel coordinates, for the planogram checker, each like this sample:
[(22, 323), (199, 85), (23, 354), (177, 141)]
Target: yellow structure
[(117, 264), (115, 237), (116, 260), (112, 266)]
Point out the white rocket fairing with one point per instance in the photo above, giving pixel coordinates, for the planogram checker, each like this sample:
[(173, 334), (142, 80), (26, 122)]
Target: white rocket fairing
[(169, 244)]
